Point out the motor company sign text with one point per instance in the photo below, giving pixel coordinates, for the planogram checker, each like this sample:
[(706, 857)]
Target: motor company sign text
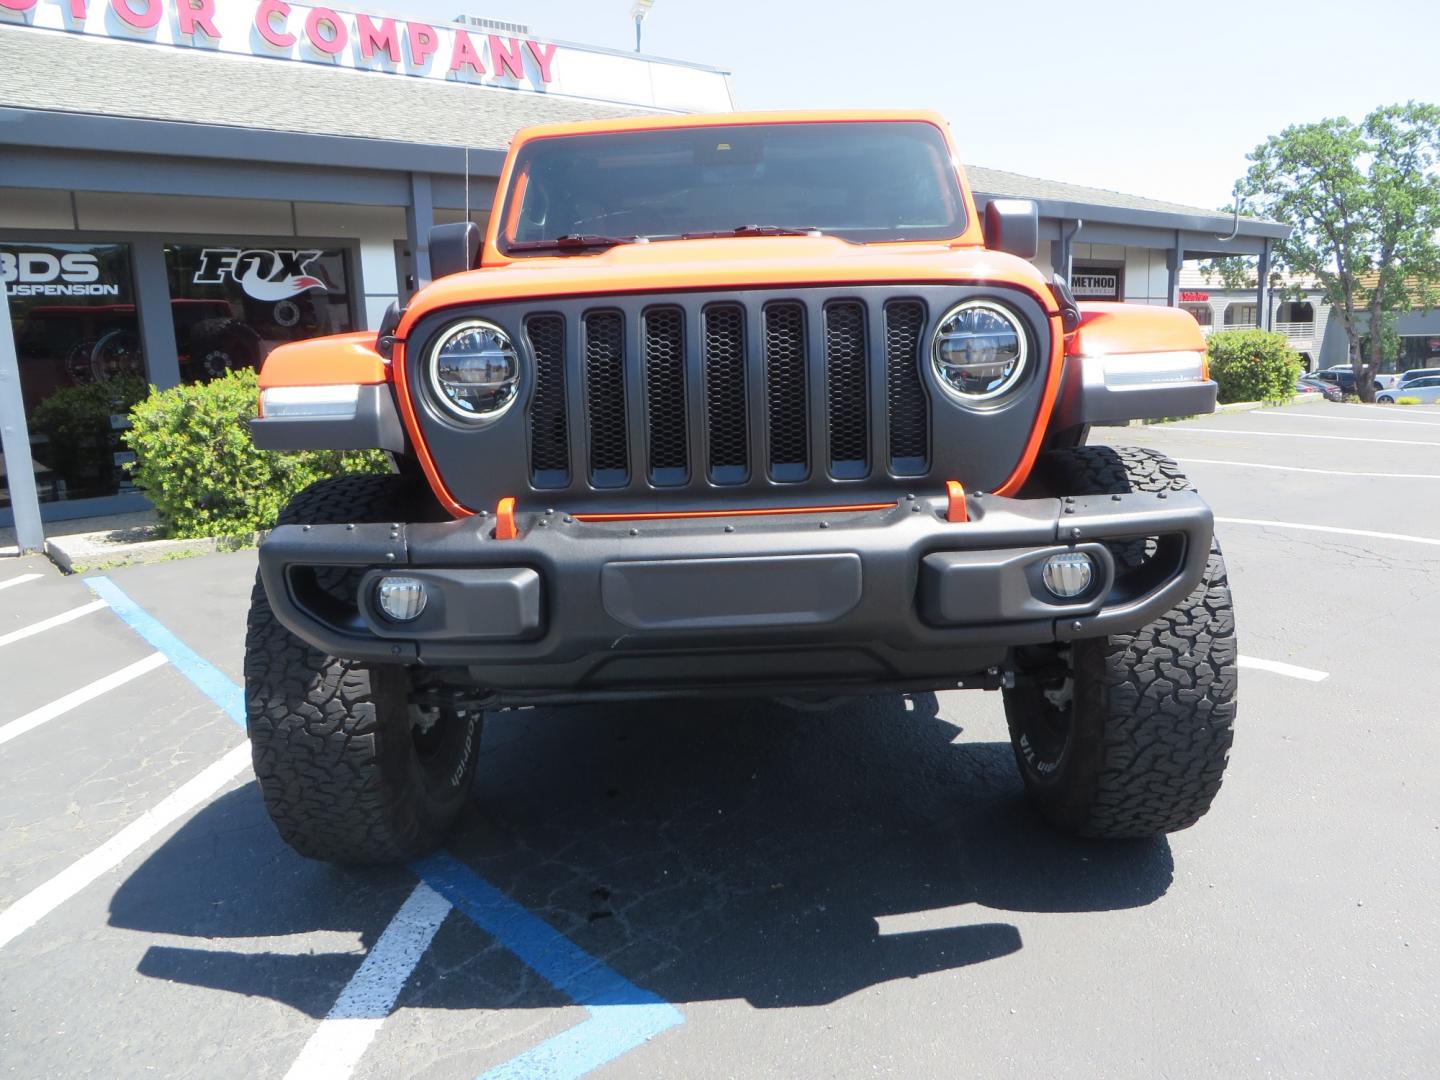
[(324, 35)]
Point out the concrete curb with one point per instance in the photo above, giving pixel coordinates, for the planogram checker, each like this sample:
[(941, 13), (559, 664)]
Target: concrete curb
[(92, 551)]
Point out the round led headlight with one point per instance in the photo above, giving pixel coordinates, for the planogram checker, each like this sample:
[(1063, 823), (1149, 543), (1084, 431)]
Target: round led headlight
[(474, 370), (980, 351)]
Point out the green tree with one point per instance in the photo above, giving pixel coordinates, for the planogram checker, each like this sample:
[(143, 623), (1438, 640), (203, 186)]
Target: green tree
[(1364, 203)]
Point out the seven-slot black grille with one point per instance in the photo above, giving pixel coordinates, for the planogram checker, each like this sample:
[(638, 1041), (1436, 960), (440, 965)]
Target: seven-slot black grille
[(729, 394)]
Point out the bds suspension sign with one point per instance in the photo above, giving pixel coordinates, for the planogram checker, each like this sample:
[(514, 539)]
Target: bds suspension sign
[(323, 35)]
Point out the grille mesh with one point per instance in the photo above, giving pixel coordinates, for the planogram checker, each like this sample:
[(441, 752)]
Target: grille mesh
[(549, 430), (755, 381), (786, 394), (665, 393), (846, 397), (909, 414), (724, 365), (605, 398)]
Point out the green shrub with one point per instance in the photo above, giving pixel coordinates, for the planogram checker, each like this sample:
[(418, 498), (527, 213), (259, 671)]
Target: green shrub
[(1407, 401), (195, 460), (1253, 365)]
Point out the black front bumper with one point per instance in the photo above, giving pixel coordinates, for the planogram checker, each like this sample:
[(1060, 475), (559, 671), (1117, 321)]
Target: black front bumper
[(894, 597)]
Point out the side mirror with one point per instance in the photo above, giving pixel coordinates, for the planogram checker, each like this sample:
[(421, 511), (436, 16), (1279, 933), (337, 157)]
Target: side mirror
[(1013, 226), (454, 248)]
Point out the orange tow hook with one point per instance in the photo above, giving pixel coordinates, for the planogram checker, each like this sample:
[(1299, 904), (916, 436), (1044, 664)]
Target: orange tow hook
[(505, 520), (956, 493)]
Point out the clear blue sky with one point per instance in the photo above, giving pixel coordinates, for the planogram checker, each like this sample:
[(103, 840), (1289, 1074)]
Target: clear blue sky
[(1144, 96)]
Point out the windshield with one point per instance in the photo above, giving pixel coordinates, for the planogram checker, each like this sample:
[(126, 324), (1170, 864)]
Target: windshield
[(867, 182)]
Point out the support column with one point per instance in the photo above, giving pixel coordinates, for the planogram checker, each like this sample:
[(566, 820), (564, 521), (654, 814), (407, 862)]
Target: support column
[(1174, 260), (419, 217), (1263, 318), (15, 440), (1062, 251), (157, 321)]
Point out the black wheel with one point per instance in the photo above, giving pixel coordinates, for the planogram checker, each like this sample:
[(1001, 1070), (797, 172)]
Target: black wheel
[(351, 771), (1128, 735)]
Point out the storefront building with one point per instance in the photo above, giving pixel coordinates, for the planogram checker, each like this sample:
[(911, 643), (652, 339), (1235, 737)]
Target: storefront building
[(185, 184)]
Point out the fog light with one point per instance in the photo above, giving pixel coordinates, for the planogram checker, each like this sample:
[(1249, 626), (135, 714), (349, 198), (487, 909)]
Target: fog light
[(401, 598), (1068, 574)]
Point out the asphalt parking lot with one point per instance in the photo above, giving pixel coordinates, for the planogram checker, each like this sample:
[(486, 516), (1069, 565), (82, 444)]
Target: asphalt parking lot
[(745, 890)]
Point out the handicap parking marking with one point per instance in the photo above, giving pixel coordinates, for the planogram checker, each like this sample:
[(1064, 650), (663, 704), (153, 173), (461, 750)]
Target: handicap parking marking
[(210, 680), (622, 1015)]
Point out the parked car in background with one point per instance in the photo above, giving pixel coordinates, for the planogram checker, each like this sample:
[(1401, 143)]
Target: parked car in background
[(1426, 389), (1340, 375), (1313, 384), (1407, 377)]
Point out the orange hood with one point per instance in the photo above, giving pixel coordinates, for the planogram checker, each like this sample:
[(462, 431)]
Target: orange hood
[(728, 263)]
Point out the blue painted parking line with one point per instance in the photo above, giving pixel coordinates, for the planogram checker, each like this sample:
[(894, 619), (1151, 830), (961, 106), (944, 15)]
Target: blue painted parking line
[(213, 682), (622, 1015)]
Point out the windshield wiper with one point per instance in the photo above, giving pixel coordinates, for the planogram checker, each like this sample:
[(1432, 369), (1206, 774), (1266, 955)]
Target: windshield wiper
[(755, 230), (575, 242)]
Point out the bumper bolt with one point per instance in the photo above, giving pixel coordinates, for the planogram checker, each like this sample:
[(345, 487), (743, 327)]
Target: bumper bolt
[(350, 527), (568, 519), (1074, 626), (1162, 494), (634, 532), (729, 528), (824, 524), (1074, 534)]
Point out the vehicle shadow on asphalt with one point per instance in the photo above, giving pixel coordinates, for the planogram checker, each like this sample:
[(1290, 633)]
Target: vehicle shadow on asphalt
[(705, 851)]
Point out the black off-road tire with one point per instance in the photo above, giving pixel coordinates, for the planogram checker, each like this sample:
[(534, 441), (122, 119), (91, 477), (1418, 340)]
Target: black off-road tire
[(345, 773), (1134, 742)]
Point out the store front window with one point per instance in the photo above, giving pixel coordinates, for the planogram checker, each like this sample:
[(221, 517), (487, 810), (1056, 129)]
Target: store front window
[(232, 304), (1202, 313), (77, 338)]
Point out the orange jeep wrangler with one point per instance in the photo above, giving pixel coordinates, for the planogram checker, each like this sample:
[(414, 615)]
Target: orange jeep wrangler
[(749, 404)]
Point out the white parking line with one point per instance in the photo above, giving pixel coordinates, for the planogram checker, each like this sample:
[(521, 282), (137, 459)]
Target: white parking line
[(45, 898), (53, 621), (1305, 469), (1275, 667), (337, 1045), (1286, 414), (1265, 524), (1297, 435), (1414, 414), (21, 580), (89, 692)]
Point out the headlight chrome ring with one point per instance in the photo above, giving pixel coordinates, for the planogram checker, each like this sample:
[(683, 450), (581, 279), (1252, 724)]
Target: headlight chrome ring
[(980, 351), (474, 371)]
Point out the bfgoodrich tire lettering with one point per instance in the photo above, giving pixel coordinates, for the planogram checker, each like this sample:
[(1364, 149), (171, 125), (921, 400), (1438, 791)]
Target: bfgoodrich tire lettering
[(1134, 739), (349, 770)]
